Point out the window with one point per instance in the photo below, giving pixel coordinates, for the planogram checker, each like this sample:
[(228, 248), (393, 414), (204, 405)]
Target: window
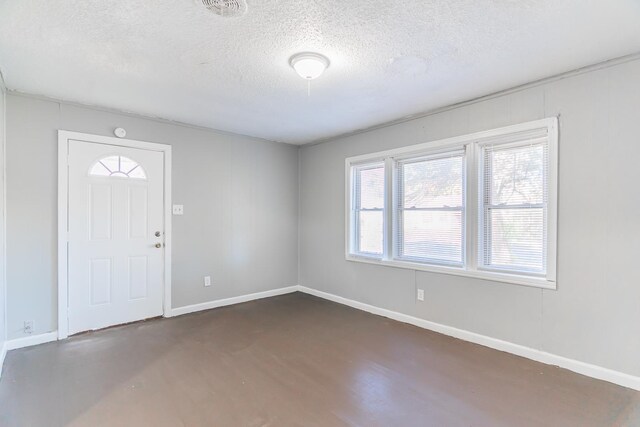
[(118, 166), (480, 205), (430, 209), (514, 207), (368, 209)]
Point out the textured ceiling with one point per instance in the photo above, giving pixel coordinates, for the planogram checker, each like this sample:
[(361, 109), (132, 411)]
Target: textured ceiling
[(176, 60)]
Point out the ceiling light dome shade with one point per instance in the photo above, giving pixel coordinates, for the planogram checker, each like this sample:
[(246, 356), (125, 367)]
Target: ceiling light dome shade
[(309, 65)]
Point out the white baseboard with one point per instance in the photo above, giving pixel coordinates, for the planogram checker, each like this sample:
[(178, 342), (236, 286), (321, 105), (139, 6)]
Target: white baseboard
[(230, 301), (583, 368), (31, 340)]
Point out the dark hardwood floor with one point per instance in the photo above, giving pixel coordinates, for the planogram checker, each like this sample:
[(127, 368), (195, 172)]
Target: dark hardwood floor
[(294, 360)]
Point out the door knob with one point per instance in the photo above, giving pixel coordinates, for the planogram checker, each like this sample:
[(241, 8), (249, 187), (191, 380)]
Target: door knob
[(158, 245)]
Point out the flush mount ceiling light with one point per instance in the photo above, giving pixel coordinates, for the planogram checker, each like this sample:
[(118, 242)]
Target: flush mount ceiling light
[(309, 65)]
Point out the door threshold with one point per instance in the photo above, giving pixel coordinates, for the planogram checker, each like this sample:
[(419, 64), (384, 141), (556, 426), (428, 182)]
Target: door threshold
[(77, 334)]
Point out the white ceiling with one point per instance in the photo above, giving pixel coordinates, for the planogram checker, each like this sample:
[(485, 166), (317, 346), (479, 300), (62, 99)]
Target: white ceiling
[(176, 60)]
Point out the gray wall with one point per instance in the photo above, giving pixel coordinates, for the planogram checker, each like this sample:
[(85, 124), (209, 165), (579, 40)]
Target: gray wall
[(3, 300), (240, 197), (594, 316)]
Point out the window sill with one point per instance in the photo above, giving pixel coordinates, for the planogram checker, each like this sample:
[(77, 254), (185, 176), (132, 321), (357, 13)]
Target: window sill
[(454, 271)]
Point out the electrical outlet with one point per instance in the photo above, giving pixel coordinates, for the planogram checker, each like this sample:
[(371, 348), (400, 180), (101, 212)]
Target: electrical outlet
[(178, 209), (207, 280), (420, 294), (28, 326)]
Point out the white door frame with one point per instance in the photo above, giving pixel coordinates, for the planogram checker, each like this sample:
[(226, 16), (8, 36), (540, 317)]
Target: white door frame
[(63, 215)]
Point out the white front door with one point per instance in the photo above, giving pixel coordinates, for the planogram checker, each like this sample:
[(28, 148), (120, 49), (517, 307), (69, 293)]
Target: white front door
[(116, 236)]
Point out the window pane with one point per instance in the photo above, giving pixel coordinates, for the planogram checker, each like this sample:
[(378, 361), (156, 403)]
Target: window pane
[(137, 173), (118, 166), (372, 188), (112, 163), (99, 170), (368, 205), (127, 165), (516, 238), (433, 183), (431, 209), (516, 175), (433, 235), (370, 236)]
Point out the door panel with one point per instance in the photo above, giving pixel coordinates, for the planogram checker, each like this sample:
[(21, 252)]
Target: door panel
[(116, 270), (100, 212), (138, 213)]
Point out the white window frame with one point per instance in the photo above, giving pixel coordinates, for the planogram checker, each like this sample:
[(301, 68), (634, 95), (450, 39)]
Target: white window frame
[(433, 154), (472, 144), (355, 210)]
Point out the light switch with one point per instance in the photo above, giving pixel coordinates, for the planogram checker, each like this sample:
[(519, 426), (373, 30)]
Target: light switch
[(178, 209)]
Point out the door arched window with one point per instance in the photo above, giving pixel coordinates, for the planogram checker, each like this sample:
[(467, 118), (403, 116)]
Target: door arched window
[(118, 166)]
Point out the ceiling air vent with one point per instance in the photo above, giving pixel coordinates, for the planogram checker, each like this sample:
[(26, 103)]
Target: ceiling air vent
[(227, 8)]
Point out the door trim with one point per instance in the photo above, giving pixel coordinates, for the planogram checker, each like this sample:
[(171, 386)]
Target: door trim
[(63, 215)]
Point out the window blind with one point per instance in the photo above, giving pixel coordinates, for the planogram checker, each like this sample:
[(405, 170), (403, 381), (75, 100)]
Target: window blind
[(368, 209), (430, 209), (514, 197)]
